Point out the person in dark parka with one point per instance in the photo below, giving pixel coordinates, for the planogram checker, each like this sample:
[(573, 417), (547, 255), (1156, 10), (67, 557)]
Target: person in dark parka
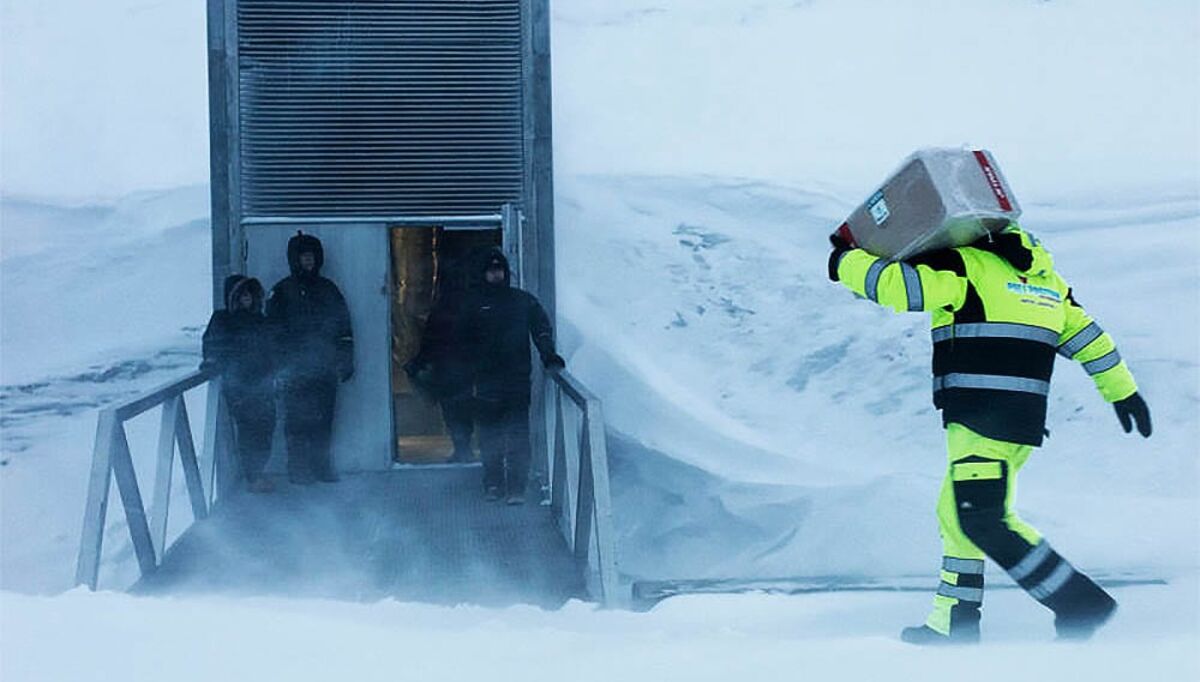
[(316, 350), (498, 323), (237, 344), (443, 367)]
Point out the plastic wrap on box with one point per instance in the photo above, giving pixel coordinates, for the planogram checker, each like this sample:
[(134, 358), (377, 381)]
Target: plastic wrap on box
[(938, 198)]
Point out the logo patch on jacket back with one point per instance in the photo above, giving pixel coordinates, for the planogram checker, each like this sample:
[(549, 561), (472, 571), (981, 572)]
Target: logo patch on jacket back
[(1034, 294)]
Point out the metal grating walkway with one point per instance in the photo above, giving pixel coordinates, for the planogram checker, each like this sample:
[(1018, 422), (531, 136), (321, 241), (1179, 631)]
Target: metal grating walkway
[(422, 534)]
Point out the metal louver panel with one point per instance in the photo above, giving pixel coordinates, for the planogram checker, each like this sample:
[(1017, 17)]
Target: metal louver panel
[(379, 107)]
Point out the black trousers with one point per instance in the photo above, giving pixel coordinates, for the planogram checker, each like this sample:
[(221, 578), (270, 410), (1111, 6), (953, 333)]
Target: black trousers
[(504, 443), (459, 417), (253, 417), (308, 403)]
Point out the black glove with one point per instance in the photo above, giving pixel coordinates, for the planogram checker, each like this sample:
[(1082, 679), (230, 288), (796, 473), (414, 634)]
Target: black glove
[(1132, 409), (413, 367), (840, 246), (554, 362)]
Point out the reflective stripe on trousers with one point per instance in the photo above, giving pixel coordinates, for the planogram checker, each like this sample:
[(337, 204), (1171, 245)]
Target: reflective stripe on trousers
[(971, 594), (956, 565), (1040, 558), (995, 382)]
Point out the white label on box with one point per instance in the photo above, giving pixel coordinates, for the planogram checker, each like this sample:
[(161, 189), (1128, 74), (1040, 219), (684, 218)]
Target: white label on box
[(878, 208)]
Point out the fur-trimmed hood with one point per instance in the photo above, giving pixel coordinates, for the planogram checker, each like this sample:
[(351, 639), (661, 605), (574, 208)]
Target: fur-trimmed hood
[(236, 285)]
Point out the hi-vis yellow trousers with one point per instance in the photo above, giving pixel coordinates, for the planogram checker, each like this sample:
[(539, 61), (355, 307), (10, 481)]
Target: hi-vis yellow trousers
[(978, 493)]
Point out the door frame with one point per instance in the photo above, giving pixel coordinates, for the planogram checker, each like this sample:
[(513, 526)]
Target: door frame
[(508, 220)]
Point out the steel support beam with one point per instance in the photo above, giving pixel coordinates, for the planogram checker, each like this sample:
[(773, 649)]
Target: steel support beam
[(95, 510)]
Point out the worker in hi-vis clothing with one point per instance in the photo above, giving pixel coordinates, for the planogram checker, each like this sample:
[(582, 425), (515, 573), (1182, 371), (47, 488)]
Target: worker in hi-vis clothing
[(1000, 313)]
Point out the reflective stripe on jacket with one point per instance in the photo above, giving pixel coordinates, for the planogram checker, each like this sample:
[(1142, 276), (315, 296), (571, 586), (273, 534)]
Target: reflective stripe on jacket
[(996, 330)]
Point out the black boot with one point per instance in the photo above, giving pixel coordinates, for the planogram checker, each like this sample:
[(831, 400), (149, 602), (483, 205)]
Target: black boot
[(923, 635), (1080, 608), (964, 626)]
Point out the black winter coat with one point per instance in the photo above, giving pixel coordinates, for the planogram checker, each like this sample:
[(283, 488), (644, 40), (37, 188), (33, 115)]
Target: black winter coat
[(310, 320), (443, 351), (237, 343), (312, 327), (498, 323)]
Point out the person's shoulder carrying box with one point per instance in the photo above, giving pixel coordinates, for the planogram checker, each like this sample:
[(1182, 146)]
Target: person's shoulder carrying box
[(938, 198)]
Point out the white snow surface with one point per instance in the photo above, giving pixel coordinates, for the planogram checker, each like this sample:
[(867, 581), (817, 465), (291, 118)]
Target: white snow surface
[(692, 639), (765, 423)]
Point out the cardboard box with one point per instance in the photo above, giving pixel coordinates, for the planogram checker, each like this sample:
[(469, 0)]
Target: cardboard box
[(938, 198)]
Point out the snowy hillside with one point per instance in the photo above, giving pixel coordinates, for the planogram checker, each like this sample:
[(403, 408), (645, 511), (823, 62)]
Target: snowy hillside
[(708, 324)]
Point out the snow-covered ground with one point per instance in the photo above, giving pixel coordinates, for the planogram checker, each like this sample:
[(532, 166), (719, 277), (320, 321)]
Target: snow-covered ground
[(766, 424), (689, 639)]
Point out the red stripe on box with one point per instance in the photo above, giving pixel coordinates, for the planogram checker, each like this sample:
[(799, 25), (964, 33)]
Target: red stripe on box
[(993, 179), (843, 231)]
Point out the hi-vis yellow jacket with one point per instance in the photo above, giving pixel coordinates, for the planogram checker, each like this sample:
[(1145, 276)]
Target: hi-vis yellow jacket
[(1000, 312)]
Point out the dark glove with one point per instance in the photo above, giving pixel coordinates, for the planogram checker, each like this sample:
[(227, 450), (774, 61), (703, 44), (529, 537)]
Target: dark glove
[(554, 362), (1132, 409), (840, 246), (413, 367)]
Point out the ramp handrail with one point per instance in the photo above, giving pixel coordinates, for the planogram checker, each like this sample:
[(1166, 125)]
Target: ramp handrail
[(111, 458), (579, 484)]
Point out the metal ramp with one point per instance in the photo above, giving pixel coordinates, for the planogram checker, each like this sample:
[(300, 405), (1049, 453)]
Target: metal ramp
[(416, 534), (419, 533)]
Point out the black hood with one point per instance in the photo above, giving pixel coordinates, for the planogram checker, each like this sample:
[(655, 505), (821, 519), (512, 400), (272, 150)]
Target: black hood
[(235, 285), (305, 243), (496, 257), (1010, 246)]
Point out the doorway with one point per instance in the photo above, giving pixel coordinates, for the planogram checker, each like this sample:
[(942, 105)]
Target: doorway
[(432, 269)]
